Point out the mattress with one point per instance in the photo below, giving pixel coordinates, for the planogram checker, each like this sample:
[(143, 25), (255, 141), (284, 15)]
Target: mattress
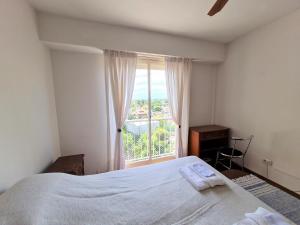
[(150, 195)]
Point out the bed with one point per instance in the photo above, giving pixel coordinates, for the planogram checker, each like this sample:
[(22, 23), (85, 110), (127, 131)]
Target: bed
[(150, 195)]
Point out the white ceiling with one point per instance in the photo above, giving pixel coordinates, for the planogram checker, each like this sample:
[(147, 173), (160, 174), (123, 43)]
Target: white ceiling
[(180, 17)]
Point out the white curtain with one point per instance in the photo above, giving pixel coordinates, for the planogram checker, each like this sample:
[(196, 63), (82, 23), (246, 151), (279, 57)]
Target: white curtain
[(120, 69), (178, 72)]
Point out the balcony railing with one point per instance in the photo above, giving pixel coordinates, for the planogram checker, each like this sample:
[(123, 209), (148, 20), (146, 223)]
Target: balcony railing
[(139, 145)]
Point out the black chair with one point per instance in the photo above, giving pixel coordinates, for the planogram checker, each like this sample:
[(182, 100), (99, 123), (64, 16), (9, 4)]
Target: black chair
[(238, 151)]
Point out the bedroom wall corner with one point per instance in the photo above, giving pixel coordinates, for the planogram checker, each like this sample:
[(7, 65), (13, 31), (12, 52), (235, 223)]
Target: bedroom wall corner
[(258, 93), (81, 106)]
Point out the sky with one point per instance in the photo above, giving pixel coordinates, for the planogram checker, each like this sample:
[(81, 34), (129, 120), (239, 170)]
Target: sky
[(158, 85)]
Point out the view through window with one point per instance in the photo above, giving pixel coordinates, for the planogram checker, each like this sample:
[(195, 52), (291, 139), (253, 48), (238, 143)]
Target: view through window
[(149, 131)]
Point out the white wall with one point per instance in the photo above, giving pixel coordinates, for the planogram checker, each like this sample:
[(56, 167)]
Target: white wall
[(202, 95), (28, 130), (258, 92), (58, 29), (80, 100)]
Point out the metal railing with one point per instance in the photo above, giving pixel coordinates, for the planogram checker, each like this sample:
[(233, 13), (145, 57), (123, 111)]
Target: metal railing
[(138, 145)]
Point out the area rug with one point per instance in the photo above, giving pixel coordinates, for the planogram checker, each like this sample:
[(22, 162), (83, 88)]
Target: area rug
[(282, 202)]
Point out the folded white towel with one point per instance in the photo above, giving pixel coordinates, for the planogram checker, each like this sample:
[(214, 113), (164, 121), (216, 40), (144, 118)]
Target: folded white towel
[(202, 170), (262, 217), (200, 182)]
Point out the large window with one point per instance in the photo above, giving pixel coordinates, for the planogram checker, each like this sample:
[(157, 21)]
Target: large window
[(149, 131)]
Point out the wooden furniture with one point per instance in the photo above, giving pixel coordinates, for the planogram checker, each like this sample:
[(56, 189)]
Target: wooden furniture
[(205, 141), (73, 164)]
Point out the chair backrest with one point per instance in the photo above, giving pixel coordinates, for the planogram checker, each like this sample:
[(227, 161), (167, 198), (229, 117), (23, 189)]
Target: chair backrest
[(245, 140)]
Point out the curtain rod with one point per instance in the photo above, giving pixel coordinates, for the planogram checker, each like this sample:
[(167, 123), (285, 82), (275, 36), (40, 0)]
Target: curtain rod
[(160, 56), (157, 56)]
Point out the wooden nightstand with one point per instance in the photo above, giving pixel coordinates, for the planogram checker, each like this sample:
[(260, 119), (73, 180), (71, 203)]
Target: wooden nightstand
[(205, 141), (73, 164)]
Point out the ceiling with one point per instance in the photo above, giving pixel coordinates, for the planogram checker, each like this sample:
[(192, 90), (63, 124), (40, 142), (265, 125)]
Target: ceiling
[(180, 17)]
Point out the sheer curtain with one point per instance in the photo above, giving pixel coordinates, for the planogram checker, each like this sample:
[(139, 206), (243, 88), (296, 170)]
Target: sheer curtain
[(120, 69), (178, 72)]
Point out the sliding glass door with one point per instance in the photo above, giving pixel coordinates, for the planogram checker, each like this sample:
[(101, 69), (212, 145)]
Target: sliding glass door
[(149, 132)]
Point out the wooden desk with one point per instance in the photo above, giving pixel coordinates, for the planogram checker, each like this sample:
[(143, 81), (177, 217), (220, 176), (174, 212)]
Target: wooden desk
[(73, 164), (204, 141)]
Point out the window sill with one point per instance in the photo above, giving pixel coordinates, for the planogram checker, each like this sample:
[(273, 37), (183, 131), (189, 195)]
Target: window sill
[(149, 162)]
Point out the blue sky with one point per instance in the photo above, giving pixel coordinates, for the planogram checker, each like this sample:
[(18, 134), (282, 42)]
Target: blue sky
[(158, 85)]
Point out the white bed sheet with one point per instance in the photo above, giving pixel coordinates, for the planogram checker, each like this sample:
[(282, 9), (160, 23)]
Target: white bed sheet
[(150, 195)]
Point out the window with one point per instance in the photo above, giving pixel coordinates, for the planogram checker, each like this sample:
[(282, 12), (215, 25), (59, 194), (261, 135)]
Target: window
[(149, 131)]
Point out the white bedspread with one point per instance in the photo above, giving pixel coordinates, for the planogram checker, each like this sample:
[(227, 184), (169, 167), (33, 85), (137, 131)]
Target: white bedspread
[(150, 195)]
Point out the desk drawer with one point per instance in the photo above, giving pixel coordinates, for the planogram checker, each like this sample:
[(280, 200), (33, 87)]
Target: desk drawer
[(214, 135)]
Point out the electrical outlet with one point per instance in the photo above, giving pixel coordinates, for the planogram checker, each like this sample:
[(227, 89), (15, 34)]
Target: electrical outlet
[(268, 162)]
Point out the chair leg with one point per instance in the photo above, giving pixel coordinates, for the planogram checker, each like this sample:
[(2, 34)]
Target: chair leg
[(217, 159), (230, 163), (243, 164)]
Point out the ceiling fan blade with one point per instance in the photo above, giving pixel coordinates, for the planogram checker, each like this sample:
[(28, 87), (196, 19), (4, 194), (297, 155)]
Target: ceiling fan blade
[(218, 6)]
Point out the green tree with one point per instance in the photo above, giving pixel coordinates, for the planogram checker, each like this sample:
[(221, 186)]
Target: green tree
[(156, 105), (160, 140)]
